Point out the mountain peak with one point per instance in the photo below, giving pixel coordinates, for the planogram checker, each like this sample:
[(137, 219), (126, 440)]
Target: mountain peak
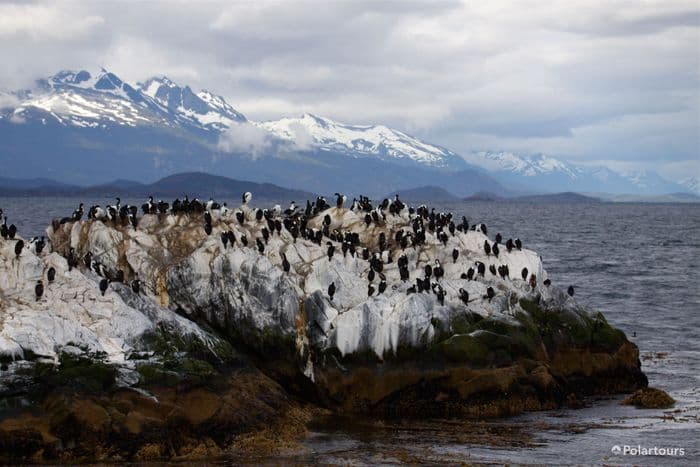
[(362, 140), (70, 77)]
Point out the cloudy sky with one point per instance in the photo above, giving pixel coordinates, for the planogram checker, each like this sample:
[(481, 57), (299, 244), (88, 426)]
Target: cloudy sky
[(589, 81)]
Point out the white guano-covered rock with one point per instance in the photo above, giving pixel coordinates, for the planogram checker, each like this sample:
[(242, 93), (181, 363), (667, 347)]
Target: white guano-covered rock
[(247, 293)]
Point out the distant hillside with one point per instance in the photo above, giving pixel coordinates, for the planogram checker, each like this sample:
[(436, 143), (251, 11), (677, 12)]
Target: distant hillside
[(193, 184), (483, 196), (567, 197), (31, 183), (424, 194), (669, 198)]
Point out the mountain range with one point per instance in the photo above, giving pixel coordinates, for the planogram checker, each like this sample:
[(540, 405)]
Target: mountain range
[(89, 128), (193, 184)]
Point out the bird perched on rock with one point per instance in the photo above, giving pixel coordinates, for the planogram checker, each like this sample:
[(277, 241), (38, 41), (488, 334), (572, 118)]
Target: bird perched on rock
[(285, 263), (469, 275), (509, 245), (39, 290), (487, 248), (440, 292), (71, 259), (39, 245), (19, 246), (524, 273), (136, 286), (104, 284), (455, 255), (51, 274), (331, 290), (490, 294), (570, 290), (464, 296), (438, 271), (533, 281)]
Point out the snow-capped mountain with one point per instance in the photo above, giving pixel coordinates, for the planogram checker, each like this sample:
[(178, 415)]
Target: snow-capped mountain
[(82, 127), (102, 100), (203, 108), (692, 184), (543, 173), (358, 141)]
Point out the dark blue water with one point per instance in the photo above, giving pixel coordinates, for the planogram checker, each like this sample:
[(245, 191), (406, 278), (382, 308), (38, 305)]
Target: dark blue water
[(637, 263)]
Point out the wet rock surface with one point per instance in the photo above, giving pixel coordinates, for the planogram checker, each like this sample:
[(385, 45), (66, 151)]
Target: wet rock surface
[(649, 398), (220, 342)]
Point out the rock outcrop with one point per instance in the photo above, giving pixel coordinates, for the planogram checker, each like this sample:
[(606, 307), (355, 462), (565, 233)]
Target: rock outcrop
[(206, 307)]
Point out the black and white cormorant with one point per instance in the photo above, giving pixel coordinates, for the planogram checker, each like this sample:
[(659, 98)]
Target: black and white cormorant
[(136, 286), (39, 290), (490, 293), (51, 274), (19, 246), (382, 286), (285, 263), (464, 296), (104, 284)]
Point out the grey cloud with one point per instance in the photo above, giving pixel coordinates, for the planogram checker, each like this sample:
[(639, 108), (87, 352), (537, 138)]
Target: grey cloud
[(615, 80)]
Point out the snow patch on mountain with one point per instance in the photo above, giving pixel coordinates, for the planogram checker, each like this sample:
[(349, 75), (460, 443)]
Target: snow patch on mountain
[(526, 165), (359, 140), (692, 184)]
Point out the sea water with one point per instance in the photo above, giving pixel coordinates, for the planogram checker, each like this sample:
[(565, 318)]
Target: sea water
[(636, 263)]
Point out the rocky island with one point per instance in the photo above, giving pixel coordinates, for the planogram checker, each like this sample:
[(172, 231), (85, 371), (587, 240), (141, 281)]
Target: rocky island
[(185, 332)]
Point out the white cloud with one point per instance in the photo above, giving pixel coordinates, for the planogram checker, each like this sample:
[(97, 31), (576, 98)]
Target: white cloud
[(246, 139), (8, 101), (16, 118), (614, 80), (44, 21)]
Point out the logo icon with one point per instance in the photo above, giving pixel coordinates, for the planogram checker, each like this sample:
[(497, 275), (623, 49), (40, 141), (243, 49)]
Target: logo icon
[(617, 450)]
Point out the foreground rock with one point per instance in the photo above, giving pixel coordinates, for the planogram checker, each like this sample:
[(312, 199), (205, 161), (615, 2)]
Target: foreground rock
[(649, 398), (208, 313), (90, 377), (394, 353)]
